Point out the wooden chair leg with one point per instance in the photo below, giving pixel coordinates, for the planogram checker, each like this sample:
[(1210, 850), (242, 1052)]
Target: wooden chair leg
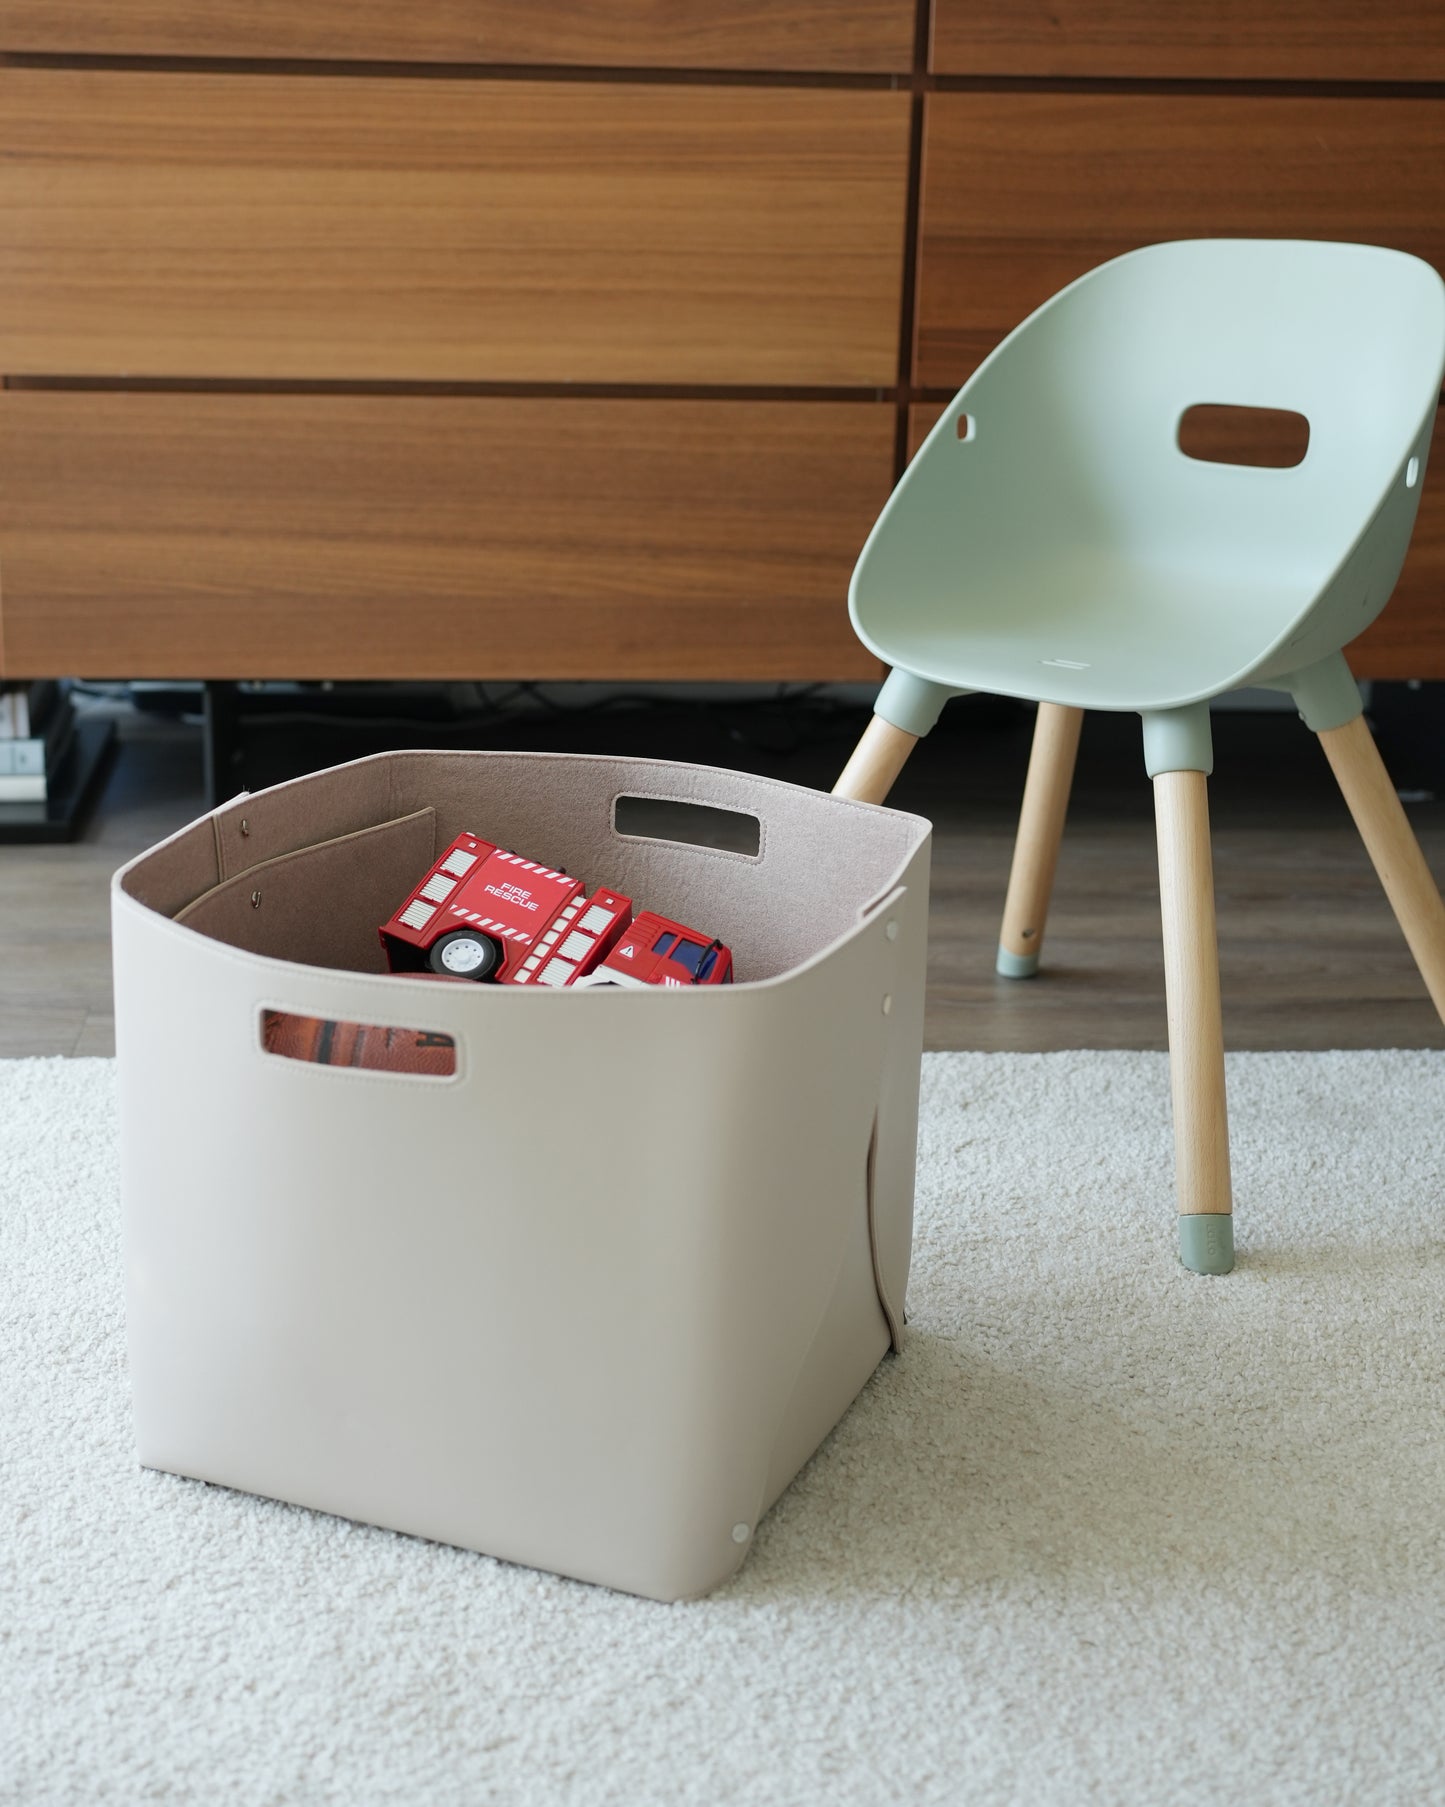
[(1041, 828), (879, 757), (1196, 1024), (1390, 841)]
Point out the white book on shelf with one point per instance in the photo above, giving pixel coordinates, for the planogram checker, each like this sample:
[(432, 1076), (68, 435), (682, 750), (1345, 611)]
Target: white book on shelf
[(34, 710), (23, 759), (22, 790), (28, 762)]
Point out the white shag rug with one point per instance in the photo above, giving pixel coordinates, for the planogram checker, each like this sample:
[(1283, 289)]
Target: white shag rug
[(1104, 1532)]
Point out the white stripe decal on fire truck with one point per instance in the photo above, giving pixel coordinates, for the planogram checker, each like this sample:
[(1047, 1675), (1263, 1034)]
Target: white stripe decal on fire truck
[(610, 975), (515, 859), (485, 922)]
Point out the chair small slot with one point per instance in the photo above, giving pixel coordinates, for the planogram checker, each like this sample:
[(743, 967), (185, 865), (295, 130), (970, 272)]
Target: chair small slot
[(1221, 433)]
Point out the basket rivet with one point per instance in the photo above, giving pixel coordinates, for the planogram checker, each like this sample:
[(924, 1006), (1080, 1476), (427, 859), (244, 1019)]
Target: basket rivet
[(741, 1533), (255, 900), (887, 1002), (245, 826), (892, 930)]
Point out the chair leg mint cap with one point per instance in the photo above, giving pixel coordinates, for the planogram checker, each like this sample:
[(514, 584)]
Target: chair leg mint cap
[(912, 703), (1325, 693), (1206, 1242), (1178, 740), (1015, 966)]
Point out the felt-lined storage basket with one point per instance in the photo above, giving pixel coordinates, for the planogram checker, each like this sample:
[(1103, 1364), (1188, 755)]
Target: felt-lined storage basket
[(589, 1302)]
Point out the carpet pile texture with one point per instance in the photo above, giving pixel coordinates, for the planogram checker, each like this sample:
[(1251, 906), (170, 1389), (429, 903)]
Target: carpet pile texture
[(1105, 1531)]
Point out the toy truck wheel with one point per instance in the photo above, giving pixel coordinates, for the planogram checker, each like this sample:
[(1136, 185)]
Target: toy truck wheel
[(465, 954)]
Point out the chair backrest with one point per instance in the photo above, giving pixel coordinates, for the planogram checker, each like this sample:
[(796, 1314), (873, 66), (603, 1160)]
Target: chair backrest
[(1073, 463)]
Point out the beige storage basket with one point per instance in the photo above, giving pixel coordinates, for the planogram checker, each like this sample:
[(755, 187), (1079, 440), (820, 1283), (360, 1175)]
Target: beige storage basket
[(590, 1302)]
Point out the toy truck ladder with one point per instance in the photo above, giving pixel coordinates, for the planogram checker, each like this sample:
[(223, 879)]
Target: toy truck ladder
[(576, 939)]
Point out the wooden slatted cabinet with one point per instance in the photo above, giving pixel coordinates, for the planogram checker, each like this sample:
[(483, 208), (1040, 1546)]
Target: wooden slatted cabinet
[(578, 326), (1202, 40), (272, 227), (825, 35), (435, 536), (721, 266)]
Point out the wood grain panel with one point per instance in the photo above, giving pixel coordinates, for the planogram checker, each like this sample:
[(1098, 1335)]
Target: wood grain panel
[(1408, 639), (242, 535), (276, 226), (1288, 40), (824, 35), (1024, 192)]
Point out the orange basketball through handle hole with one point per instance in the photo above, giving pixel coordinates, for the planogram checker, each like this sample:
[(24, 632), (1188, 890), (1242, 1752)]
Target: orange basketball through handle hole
[(368, 1047)]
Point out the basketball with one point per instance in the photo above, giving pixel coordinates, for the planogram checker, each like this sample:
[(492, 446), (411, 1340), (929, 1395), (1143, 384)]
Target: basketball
[(370, 1047)]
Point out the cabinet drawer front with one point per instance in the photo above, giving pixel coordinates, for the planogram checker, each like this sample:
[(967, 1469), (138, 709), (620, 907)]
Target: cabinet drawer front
[(288, 226), (1024, 192), (246, 535), (1408, 639), (1289, 40), (722, 34)]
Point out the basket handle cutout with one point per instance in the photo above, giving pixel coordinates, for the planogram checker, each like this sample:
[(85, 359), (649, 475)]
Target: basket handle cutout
[(693, 824), (1222, 433), (364, 1047)]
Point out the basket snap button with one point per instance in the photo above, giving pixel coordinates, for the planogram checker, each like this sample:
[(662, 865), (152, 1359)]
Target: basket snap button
[(741, 1533), (892, 930), (887, 1002)]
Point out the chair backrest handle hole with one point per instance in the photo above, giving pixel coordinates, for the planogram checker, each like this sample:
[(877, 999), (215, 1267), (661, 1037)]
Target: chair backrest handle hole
[(1222, 433)]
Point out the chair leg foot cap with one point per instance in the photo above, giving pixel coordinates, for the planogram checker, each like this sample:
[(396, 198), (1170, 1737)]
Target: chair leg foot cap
[(1206, 1242), (1016, 966)]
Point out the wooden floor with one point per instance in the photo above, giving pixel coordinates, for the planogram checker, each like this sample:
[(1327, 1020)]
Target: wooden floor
[(1309, 951)]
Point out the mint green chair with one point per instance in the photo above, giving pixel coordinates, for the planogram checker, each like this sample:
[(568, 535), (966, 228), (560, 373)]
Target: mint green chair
[(1051, 541)]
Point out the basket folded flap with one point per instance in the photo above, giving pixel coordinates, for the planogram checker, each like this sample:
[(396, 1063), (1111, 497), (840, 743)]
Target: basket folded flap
[(320, 905)]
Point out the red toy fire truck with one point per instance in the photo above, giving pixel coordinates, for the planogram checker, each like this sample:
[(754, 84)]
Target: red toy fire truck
[(483, 913)]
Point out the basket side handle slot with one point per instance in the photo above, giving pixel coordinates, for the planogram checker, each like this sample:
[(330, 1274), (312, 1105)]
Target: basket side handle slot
[(358, 1047), (679, 820)]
